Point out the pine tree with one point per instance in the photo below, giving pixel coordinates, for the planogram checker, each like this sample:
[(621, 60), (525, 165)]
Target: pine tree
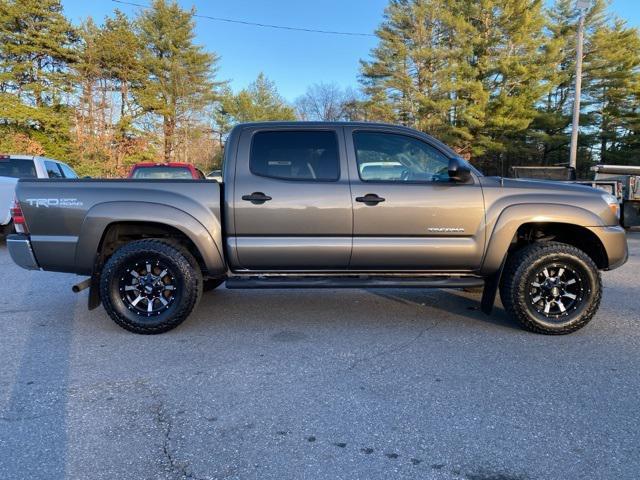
[(468, 72), (179, 75), (37, 46), (258, 102), (612, 91), (120, 59), (550, 129), (408, 79)]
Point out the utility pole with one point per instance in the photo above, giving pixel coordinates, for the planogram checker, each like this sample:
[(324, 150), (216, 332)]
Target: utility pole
[(582, 6)]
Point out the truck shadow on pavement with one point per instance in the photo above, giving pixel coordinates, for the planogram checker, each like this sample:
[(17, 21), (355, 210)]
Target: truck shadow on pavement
[(453, 308), (452, 303)]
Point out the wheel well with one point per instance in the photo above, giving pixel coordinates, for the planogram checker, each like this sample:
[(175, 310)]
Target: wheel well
[(579, 237), (120, 233)]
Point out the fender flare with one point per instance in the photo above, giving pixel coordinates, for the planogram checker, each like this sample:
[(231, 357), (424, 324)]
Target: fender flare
[(513, 217), (208, 240)]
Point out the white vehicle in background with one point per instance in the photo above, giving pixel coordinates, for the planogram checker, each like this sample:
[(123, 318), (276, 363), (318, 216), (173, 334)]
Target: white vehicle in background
[(215, 175), (14, 167)]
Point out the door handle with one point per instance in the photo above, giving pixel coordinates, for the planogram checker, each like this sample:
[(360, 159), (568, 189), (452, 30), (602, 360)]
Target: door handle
[(256, 198), (370, 199)]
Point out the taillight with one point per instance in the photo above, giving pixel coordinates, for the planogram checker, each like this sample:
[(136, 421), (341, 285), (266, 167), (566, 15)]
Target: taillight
[(19, 222)]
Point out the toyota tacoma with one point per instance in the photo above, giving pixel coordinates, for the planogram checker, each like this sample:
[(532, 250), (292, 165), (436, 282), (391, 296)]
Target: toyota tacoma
[(325, 205)]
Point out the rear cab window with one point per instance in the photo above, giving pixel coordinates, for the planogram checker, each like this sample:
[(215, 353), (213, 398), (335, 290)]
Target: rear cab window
[(67, 171), (53, 169), (17, 168), (305, 155), (160, 172)]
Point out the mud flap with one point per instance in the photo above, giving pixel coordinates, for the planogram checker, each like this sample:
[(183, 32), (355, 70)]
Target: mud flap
[(491, 284), (94, 292)]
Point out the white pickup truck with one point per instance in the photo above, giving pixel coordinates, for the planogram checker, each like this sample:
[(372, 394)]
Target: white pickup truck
[(13, 167)]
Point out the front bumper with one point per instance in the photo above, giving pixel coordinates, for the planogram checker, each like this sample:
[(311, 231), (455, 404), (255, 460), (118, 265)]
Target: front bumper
[(614, 240), (21, 252)]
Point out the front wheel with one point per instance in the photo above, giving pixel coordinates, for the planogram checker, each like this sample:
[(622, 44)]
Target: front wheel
[(551, 288), (150, 286)]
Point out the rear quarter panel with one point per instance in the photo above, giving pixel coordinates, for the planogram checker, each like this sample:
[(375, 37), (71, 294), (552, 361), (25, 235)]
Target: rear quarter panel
[(67, 218)]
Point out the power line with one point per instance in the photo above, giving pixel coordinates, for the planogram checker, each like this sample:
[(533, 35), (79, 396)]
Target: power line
[(263, 25)]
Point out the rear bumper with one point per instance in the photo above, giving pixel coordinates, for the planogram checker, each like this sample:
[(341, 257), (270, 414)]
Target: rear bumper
[(21, 252), (614, 240)]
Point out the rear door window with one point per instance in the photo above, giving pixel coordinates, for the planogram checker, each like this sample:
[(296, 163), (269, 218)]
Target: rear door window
[(296, 155), (17, 168)]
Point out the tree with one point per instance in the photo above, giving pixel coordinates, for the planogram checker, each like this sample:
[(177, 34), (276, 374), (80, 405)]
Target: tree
[(612, 88), (468, 72), (107, 70), (407, 75), (37, 46), (179, 75), (550, 129), (260, 101), (322, 101)]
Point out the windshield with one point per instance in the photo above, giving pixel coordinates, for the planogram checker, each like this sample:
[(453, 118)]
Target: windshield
[(17, 168), (162, 173)]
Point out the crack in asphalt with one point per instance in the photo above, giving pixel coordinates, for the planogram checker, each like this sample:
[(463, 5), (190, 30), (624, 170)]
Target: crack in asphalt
[(399, 347), (163, 419), (390, 351)]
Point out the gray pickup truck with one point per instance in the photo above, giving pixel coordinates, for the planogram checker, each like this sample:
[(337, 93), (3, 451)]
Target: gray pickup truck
[(325, 205)]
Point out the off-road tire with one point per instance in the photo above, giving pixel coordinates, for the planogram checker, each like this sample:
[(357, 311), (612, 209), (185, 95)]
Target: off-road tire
[(208, 284), (516, 280), (187, 294)]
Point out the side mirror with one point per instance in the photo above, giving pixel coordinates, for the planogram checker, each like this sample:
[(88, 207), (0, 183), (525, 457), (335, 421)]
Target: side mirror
[(458, 170)]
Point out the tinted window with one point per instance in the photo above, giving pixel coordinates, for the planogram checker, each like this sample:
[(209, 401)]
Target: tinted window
[(389, 157), (16, 168), (162, 173), (67, 171), (53, 170), (296, 155)]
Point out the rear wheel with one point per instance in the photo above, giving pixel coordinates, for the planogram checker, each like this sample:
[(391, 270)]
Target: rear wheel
[(150, 286), (551, 288)]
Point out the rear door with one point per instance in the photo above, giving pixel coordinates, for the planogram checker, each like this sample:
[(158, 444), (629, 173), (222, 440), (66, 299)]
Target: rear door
[(292, 203), (407, 214)]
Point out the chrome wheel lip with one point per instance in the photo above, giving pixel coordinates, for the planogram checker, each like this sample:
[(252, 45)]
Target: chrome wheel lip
[(147, 287), (556, 290)]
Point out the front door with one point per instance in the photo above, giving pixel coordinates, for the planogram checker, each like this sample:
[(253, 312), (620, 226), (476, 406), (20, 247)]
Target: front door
[(292, 204), (407, 215)]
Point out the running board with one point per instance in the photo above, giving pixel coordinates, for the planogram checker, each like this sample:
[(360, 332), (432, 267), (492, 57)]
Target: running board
[(353, 282)]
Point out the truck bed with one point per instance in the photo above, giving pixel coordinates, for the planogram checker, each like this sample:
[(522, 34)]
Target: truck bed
[(67, 218)]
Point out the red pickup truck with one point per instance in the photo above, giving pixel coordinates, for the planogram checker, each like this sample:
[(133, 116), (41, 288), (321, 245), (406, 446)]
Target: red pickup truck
[(171, 170)]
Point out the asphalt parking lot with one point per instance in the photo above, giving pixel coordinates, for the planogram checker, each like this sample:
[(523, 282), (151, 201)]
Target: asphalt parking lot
[(316, 384)]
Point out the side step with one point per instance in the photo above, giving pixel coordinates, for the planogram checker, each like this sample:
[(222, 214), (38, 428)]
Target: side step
[(354, 282)]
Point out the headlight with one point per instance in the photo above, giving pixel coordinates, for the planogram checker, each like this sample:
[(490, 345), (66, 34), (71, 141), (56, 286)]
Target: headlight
[(613, 203)]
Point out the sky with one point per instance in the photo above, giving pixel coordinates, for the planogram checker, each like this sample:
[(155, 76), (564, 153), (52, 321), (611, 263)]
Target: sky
[(293, 60)]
